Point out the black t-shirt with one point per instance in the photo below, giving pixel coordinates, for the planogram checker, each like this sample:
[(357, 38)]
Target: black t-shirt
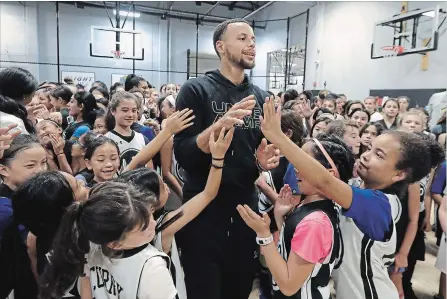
[(65, 114)]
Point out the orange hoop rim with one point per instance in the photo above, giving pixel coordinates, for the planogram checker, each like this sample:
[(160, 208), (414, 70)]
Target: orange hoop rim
[(117, 54), (395, 49)]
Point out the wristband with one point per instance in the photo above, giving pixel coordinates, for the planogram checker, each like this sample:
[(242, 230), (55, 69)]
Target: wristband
[(264, 241), (60, 154), (260, 168), (218, 159), (217, 166)]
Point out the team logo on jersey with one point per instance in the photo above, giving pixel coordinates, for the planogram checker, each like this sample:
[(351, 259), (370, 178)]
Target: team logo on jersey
[(179, 173), (127, 156)]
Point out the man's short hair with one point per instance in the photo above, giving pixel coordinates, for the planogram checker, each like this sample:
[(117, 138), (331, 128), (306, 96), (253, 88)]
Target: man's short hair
[(222, 28)]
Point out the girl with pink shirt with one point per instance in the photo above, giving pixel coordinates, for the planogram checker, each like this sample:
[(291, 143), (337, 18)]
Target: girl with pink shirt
[(309, 231)]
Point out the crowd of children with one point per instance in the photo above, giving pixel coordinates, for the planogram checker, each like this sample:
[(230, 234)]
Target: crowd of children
[(87, 178)]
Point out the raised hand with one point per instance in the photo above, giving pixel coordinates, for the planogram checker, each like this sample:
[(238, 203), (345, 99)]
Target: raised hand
[(306, 111), (261, 225), (6, 137), (284, 204), (179, 121), (235, 115), (58, 144), (271, 121), (219, 147), (268, 155)]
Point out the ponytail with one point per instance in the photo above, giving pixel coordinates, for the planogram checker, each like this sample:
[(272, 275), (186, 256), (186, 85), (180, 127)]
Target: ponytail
[(66, 261)]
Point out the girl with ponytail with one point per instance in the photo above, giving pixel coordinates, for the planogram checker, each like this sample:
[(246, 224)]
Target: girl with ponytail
[(113, 228)]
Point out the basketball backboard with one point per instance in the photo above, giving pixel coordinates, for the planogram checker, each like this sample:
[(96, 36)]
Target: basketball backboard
[(408, 33), (105, 40)]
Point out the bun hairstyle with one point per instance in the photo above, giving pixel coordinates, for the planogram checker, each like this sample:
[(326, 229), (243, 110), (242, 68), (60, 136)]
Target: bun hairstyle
[(132, 80), (414, 146), (62, 92), (90, 108), (113, 210), (339, 152)]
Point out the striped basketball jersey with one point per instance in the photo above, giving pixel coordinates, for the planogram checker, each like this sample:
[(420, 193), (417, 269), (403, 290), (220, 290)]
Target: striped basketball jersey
[(316, 285), (129, 146), (264, 203), (361, 271), (122, 277), (422, 188), (177, 273)]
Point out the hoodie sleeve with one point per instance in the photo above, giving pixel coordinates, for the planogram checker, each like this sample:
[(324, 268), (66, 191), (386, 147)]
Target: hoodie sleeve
[(188, 155)]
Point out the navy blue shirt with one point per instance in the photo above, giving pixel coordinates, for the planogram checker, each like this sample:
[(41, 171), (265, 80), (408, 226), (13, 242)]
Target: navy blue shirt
[(371, 212), (438, 184)]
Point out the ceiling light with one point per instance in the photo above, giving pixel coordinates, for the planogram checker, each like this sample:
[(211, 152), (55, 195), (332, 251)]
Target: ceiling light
[(125, 13)]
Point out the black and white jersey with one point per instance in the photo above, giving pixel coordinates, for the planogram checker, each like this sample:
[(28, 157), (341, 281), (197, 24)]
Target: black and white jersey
[(422, 189), (264, 203), (177, 273), (129, 146), (128, 276), (361, 271), (316, 285)]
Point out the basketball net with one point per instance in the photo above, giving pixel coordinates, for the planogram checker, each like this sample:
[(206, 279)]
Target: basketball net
[(118, 56), (391, 51)]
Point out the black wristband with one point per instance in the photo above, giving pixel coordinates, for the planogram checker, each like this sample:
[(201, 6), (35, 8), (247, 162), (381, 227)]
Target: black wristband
[(217, 166), (218, 159)]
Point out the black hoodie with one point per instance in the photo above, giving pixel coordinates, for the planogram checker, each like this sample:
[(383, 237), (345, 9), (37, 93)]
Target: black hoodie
[(210, 97)]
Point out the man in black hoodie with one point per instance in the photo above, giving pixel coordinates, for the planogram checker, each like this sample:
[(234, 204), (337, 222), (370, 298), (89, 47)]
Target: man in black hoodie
[(219, 252)]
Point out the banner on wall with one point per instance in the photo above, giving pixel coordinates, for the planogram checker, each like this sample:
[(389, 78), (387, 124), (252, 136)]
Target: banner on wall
[(85, 79)]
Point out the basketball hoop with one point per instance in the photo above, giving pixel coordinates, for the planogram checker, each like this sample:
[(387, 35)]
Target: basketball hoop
[(391, 51), (118, 54)]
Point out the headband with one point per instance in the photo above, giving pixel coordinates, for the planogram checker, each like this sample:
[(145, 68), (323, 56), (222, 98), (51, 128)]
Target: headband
[(328, 158)]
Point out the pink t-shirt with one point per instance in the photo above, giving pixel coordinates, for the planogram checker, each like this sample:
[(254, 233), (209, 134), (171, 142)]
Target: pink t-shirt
[(313, 237)]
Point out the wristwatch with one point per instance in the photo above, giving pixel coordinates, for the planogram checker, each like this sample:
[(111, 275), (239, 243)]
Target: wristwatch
[(264, 241)]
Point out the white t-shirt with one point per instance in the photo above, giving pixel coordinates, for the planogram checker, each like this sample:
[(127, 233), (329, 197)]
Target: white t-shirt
[(144, 275), (376, 116), (129, 146), (8, 119)]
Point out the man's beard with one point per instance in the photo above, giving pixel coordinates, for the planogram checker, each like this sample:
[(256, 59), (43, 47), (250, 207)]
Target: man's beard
[(241, 62)]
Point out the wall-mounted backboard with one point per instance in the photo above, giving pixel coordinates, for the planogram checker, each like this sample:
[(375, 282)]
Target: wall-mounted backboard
[(104, 40), (409, 33)]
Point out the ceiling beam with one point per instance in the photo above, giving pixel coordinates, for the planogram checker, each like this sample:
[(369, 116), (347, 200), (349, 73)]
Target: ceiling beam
[(228, 5), (259, 9), (210, 10), (231, 5), (155, 11)]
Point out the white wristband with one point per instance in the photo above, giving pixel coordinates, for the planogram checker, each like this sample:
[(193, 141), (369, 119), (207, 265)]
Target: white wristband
[(264, 241)]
